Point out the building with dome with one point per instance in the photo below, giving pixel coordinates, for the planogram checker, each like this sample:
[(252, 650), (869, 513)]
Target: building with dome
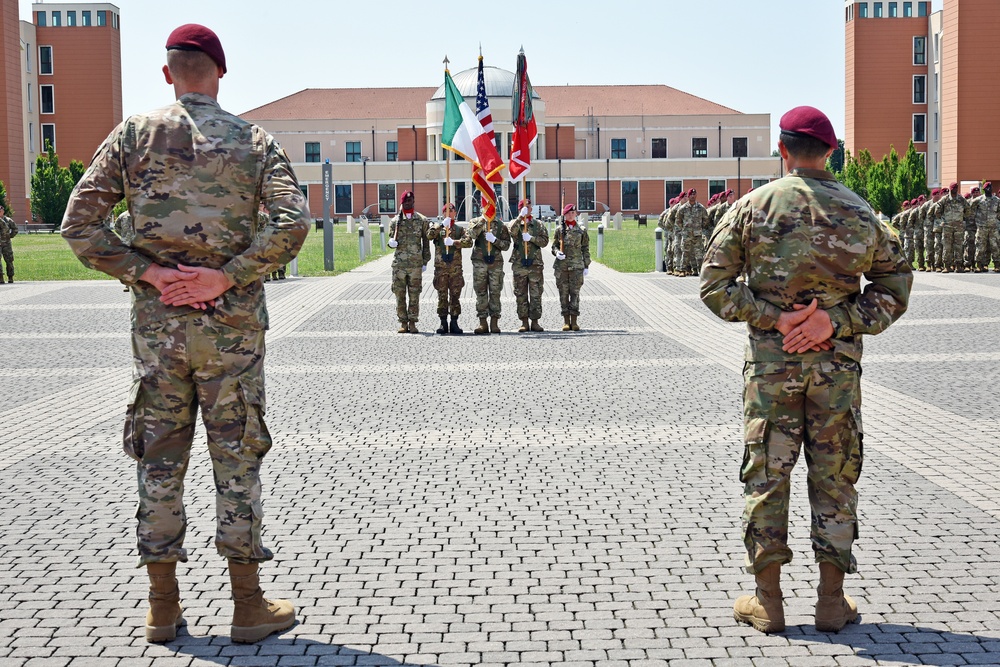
[(603, 148)]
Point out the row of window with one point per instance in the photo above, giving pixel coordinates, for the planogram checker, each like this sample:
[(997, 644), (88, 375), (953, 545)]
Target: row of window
[(48, 136), (55, 18), (48, 99), (699, 148), (343, 201), (887, 10)]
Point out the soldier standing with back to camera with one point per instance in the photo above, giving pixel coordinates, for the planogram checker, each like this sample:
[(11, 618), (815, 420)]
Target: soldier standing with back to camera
[(408, 237), (448, 239), (529, 236), (788, 260), (193, 175), (489, 240), (953, 210), (571, 247)]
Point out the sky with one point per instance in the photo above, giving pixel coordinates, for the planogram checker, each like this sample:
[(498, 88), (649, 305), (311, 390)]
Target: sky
[(755, 56)]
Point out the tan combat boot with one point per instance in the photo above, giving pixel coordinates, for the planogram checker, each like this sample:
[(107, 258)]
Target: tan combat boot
[(524, 325), (572, 323), (255, 617), (411, 327), (164, 615), (483, 327), (765, 611), (566, 326), (494, 324), (403, 328), (535, 326), (834, 610)]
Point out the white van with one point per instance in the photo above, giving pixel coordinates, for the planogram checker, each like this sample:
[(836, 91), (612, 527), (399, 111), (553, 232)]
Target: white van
[(543, 211)]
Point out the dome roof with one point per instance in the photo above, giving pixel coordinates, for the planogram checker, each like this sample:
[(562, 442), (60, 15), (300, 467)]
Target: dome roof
[(499, 83)]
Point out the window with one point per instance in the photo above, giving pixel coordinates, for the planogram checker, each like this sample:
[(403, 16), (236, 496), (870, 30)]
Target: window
[(45, 60), (85, 15), (937, 128), (919, 50), (392, 151), (671, 189), (40, 19), (386, 197), (920, 89), (617, 149), (937, 47), (31, 137), (919, 129), (513, 196), (102, 17), (630, 195), (921, 9), (342, 202), (56, 19), (585, 195), (863, 10), (893, 10), (48, 102), (27, 56), (48, 136), (878, 10), (699, 147), (758, 183), (304, 189), (71, 18), (907, 9), (312, 151), (715, 187), (739, 146), (353, 151), (29, 100), (659, 148)]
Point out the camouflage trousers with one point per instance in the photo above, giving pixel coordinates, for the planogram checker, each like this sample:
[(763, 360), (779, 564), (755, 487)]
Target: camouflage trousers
[(969, 246), (908, 248), (529, 282), (182, 365), (988, 246), (569, 282), (918, 247), (449, 283), (786, 404), (930, 248), (7, 252), (691, 253), (668, 252), (676, 245), (407, 282), (487, 281), (951, 247)]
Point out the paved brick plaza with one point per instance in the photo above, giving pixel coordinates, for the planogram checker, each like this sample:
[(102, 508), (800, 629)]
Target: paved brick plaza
[(538, 498)]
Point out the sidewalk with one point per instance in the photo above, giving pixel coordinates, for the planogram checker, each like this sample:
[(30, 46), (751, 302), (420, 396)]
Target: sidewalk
[(548, 498)]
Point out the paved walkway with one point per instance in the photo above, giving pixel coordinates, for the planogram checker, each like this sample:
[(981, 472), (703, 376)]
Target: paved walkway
[(541, 498)]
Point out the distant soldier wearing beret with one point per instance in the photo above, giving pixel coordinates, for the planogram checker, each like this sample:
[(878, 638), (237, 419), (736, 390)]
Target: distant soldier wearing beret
[(667, 234), (193, 175), (969, 233), (986, 213), (8, 230), (489, 240), (693, 216), (916, 222), (674, 222), (905, 230), (953, 209), (529, 236), (788, 260), (411, 252), (571, 247), (448, 239)]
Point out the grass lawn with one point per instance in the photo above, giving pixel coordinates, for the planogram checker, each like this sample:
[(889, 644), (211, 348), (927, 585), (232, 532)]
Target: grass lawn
[(47, 256)]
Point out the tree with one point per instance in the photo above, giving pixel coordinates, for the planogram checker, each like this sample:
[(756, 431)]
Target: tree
[(50, 188), (76, 169), (880, 180), (835, 164), (3, 202), (911, 177)]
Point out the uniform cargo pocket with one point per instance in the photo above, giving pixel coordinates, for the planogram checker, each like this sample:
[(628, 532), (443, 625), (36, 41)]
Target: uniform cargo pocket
[(755, 449), (132, 436), (854, 458), (256, 440)]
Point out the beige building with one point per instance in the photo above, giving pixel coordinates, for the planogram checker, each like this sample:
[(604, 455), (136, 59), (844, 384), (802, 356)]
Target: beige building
[(617, 148)]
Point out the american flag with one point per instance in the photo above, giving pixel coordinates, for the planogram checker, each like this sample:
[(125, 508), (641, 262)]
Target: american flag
[(478, 177)]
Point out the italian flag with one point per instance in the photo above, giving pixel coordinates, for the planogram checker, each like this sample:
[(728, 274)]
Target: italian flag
[(464, 135)]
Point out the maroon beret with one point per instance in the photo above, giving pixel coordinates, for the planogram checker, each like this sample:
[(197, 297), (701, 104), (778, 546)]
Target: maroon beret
[(692, 191), (194, 37), (809, 122), (953, 186), (988, 184), (921, 198), (568, 207)]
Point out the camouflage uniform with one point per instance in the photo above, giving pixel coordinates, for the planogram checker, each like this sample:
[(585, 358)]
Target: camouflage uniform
[(969, 238), (692, 221), (574, 242), (215, 167), (905, 229), (916, 223), (932, 251), (986, 212), (487, 264), (529, 281), (666, 224), (766, 256), (448, 278), (408, 261), (124, 228), (953, 212), (8, 230)]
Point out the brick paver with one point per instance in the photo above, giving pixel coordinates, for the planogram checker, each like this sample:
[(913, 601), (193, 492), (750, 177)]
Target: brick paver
[(553, 498)]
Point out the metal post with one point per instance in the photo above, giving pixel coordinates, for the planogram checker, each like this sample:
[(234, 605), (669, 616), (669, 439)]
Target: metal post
[(361, 243), (600, 241), (293, 267), (327, 223), (659, 250), (381, 236)]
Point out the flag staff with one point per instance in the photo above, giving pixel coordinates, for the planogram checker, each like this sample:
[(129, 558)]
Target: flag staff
[(447, 156)]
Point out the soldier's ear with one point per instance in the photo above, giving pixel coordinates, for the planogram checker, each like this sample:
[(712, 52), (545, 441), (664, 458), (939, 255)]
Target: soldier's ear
[(166, 75)]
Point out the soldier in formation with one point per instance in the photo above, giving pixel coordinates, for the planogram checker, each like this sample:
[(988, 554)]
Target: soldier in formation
[(412, 250), (529, 236), (953, 210), (198, 314), (901, 223), (986, 212), (667, 234), (789, 261), (8, 230), (969, 235), (448, 239), (489, 240), (693, 220), (571, 247)]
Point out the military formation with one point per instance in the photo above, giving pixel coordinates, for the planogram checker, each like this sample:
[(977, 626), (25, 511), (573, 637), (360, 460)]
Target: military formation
[(951, 232), (687, 225), (411, 235)]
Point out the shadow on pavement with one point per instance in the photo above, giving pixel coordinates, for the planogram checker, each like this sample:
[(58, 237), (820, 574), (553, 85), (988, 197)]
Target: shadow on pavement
[(906, 644)]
